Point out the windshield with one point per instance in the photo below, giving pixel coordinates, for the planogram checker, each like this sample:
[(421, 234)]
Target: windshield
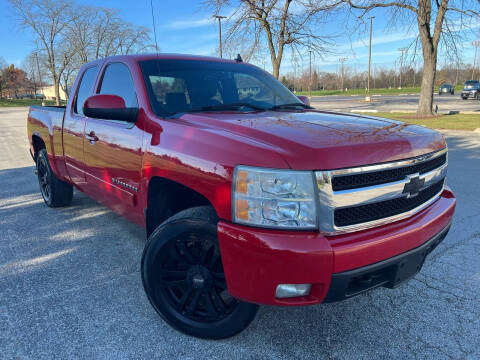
[(472, 84), (178, 86)]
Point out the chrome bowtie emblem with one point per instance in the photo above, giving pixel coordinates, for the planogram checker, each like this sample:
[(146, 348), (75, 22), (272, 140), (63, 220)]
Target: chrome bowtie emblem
[(413, 186)]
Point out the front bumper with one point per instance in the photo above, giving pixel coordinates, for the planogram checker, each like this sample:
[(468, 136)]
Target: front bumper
[(388, 273), (257, 260), (469, 94)]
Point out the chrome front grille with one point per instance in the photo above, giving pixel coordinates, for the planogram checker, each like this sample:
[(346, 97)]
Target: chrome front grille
[(378, 194)]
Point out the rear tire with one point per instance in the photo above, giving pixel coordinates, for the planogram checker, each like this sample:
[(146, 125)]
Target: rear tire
[(183, 277), (55, 192)]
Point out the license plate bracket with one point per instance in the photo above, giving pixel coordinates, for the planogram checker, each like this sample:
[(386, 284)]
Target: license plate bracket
[(408, 267)]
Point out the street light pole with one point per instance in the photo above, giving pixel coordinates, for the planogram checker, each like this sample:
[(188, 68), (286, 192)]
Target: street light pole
[(476, 44), (401, 66), (368, 98), (342, 60), (219, 17), (310, 76)]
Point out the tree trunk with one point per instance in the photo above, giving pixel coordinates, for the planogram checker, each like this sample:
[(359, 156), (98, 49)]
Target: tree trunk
[(276, 68), (425, 104), (56, 86)]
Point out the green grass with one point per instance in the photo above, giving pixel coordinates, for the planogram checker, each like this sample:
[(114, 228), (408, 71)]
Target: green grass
[(453, 122), (25, 102), (406, 90)]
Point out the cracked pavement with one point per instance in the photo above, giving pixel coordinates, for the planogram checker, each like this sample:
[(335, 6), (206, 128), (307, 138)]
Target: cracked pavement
[(70, 285)]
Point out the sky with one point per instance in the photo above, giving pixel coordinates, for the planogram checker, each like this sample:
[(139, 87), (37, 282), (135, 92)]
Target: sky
[(183, 26)]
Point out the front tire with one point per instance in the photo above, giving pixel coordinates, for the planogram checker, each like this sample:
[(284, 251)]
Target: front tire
[(55, 192), (183, 277)]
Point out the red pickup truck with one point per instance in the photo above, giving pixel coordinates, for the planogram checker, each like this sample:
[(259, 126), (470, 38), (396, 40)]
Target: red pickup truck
[(248, 195)]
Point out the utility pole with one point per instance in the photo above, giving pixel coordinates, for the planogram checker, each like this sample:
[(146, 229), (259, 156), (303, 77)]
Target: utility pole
[(401, 65), (219, 17), (368, 98), (310, 76), (38, 70), (476, 44), (294, 62), (414, 72), (456, 74), (342, 60), (34, 83)]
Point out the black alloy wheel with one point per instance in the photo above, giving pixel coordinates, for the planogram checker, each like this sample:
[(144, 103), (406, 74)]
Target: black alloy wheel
[(183, 277), (54, 192), (44, 178)]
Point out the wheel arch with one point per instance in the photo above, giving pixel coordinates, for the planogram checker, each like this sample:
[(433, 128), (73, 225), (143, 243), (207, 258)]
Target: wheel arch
[(166, 197), (38, 144)]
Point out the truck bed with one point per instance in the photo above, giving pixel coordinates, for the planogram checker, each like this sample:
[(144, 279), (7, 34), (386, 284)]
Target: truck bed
[(46, 123)]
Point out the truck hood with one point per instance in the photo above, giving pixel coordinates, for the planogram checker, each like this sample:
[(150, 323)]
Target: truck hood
[(314, 140)]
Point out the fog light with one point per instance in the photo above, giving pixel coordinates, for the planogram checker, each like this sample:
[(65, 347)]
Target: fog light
[(292, 290)]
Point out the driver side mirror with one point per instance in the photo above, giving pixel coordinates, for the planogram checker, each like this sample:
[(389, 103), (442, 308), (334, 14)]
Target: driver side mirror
[(109, 107), (304, 99)]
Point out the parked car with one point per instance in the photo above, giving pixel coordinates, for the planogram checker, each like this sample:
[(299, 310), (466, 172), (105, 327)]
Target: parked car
[(471, 90), (247, 197), (446, 89), (25, 96)]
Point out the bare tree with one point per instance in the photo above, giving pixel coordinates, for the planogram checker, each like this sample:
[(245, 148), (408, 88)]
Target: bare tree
[(69, 73), (81, 31), (29, 65), (433, 19), (278, 23), (48, 19), (70, 35), (3, 63)]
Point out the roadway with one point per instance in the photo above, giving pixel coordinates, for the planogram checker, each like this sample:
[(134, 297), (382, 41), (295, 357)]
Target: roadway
[(389, 103), (70, 285)]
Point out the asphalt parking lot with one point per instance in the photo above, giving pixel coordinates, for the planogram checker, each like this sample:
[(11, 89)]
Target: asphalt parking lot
[(70, 285), (394, 103)]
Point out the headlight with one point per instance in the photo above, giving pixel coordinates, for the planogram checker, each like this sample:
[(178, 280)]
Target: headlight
[(274, 198)]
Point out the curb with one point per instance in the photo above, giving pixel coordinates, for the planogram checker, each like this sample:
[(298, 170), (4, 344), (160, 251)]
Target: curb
[(364, 111)]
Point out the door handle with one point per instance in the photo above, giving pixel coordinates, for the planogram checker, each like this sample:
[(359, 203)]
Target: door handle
[(91, 137)]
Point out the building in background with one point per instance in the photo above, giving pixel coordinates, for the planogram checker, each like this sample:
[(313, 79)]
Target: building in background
[(49, 92)]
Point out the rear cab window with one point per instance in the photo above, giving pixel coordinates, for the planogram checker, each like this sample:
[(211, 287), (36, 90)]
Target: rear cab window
[(85, 88)]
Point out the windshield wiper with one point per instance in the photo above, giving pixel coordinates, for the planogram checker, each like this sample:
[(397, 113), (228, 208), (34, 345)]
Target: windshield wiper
[(218, 107), (290, 106), (234, 106)]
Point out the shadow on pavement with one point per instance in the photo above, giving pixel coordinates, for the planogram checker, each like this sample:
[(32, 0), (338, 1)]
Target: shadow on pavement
[(70, 287)]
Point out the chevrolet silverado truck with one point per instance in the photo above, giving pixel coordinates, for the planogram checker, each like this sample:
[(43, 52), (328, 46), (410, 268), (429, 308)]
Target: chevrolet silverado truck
[(248, 195)]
